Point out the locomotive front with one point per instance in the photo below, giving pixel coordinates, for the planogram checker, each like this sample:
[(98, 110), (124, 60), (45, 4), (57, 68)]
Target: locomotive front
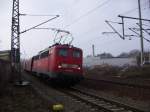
[(68, 63)]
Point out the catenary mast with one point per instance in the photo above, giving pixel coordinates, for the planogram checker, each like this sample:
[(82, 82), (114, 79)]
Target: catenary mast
[(15, 38)]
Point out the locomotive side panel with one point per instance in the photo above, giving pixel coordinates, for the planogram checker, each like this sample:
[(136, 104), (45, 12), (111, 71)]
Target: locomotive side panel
[(35, 63), (43, 62), (52, 60)]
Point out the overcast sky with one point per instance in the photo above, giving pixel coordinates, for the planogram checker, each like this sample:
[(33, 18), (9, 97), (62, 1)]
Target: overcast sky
[(85, 19)]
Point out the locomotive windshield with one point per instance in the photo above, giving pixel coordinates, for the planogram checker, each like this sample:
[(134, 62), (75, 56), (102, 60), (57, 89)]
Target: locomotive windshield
[(63, 52), (66, 52), (76, 54)]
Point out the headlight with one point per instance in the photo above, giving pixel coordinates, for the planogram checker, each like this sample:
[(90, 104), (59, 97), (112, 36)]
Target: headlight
[(78, 68), (59, 66)]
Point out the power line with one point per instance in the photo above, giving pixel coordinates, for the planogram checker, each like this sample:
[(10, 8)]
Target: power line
[(132, 29), (84, 15), (146, 25), (129, 11)]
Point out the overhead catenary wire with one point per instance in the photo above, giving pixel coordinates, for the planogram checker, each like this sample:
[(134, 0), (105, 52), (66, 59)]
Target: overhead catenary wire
[(89, 12), (132, 29), (120, 22), (54, 29), (58, 31), (145, 30), (134, 9), (129, 11), (145, 25)]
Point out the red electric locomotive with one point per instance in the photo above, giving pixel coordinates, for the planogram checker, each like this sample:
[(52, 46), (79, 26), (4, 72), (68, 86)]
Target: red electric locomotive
[(60, 63)]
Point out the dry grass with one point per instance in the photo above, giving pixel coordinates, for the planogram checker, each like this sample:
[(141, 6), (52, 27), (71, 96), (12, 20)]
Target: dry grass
[(104, 71), (136, 72), (18, 99)]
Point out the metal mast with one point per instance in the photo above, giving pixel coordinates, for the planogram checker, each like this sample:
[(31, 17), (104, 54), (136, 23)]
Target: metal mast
[(15, 37), (141, 33)]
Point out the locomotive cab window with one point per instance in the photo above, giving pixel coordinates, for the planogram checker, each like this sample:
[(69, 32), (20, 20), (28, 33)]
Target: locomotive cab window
[(76, 54), (36, 57), (63, 52), (44, 54)]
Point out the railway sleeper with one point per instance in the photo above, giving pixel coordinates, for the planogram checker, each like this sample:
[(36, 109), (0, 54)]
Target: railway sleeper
[(94, 109), (127, 111), (117, 109), (111, 106), (104, 104), (92, 100)]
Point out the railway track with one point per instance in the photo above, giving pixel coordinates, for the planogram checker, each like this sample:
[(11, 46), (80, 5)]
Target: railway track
[(98, 103), (78, 100), (132, 89), (121, 83)]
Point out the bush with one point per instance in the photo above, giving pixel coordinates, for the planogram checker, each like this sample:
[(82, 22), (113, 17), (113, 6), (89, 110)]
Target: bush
[(102, 70), (136, 72)]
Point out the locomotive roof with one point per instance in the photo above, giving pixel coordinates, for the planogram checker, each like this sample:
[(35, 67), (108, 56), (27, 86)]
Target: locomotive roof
[(64, 46), (59, 46)]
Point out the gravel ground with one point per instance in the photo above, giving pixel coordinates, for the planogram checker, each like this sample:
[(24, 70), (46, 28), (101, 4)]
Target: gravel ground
[(39, 97), (57, 97), (22, 99)]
